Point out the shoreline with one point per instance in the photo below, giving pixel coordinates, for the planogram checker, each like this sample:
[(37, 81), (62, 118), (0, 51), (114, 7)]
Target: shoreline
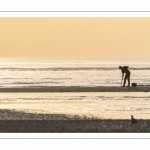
[(76, 89)]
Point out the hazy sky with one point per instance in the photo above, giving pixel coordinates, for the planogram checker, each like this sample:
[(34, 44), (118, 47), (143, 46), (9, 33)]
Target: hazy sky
[(75, 37)]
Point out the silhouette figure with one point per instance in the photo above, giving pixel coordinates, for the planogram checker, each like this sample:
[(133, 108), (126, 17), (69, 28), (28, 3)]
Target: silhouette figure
[(127, 76), (133, 120)]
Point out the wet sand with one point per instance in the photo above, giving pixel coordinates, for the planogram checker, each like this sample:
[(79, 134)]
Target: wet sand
[(14, 120), (42, 121), (76, 89), (98, 109), (61, 123)]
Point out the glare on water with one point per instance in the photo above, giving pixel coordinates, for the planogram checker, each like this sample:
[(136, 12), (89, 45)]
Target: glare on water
[(70, 72), (28, 72), (99, 105)]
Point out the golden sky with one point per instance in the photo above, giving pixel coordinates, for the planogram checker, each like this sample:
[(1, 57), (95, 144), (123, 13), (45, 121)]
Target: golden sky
[(75, 37)]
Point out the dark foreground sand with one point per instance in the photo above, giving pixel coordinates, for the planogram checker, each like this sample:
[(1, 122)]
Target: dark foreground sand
[(53, 123), (74, 126), (77, 89)]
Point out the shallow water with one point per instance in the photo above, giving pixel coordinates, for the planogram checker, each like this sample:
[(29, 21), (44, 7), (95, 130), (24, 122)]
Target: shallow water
[(70, 72), (100, 105)]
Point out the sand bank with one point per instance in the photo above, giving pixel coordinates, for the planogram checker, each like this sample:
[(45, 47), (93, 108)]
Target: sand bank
[(76, 89)]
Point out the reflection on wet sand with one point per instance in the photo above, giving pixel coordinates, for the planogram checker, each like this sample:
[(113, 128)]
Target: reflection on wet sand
[(84, 105)]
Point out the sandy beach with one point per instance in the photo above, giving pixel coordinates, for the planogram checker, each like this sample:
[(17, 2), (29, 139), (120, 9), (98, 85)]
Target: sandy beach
[(76, 89), (74, 126), (66, 124), (72, 115)]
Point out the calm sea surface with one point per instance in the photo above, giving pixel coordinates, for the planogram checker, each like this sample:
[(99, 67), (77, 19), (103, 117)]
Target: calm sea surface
[(70, 72), (114, 105)]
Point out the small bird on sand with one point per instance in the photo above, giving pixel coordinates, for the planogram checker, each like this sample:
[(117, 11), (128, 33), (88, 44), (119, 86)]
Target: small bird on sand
[(133, 120)]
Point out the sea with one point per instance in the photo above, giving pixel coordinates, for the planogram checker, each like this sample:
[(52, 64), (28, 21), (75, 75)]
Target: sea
[(26, 72), (21, 72)]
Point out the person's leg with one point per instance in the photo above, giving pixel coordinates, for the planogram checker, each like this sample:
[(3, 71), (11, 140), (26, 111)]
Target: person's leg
[(129, 80), (125, 80), (128, 77)]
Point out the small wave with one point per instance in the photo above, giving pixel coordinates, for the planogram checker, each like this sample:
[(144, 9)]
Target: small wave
[(34, 82), (40, 78), (57, 78), (13, 78), (136, 97), (67, 69)]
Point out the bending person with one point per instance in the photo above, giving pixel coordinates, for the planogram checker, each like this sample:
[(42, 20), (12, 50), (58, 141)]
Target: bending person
[(127, 76)]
